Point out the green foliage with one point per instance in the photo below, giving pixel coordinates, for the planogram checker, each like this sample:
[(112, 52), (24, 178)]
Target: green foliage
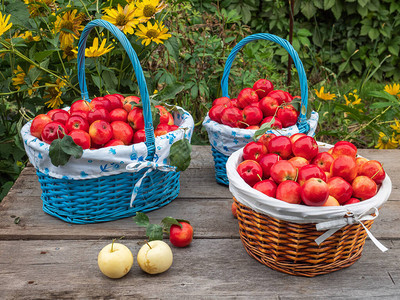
[(155, 231)]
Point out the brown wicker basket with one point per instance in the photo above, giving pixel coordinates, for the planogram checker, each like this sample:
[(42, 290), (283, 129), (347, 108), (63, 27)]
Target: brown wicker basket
[(291, 247)]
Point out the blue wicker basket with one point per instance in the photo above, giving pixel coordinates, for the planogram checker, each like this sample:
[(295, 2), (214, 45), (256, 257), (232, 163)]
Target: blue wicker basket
[(108, 198), (225, 140)]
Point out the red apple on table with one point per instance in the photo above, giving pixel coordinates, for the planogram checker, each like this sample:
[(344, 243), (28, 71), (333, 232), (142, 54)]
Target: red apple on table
[(52, 131), (344, 166), (267, 187), (181, 237), (139, 136), (314, 192), (114, 143), (129, 102), (344, 148), (323, 160), (233, 117), (265, 138), (82, 105), (263, 87), (281, 96), (234, 209), (331, 202), (119, 114), (100, 132), (246, 97), (99, 113), (266, 162), (268, 106), (288, 115), (289, 191), (283, 170), (364, 187), (115, 101), (310, 171), (81, 138), (254, 151), (61, 117), (222, 101), (50, 113), (298, 162), (136, 118), (250, 171), (252, 115), (38, 124), (296, 136), (122, 131), (275, 122), (340, 189), (374, 170), (306, 147), (280, 145), (75, 123)]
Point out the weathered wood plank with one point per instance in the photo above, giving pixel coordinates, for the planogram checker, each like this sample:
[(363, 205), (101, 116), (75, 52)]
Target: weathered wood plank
[(208, 269)]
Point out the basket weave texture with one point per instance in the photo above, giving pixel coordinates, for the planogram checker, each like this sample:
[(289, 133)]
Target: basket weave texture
[(291, 247)]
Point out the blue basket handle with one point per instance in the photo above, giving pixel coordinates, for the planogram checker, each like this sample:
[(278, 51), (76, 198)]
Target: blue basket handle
[(302, 120), (148, 121)]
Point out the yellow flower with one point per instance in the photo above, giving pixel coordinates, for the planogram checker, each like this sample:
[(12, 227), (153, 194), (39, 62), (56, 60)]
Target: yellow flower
[(19, 80), (152, 33), (324, 96), (357, 100), (54, 94), (95, 50), (28, 36), (385, 142), (147, 9), (4, 25), (396, 127), (393, 89), (40, 7), (69, 52), (124, 18), (68, 25)]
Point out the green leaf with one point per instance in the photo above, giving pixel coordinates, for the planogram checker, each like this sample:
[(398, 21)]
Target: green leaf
[(373, 34), (362, 3), (154, 232), (167, 222), (383, 95), (141, 219), (173, 47), (57, 156), (155, 114), (68, 146), (337, 10), (263, 129), (328, 4), (179, 154), (308, 9), (170, 91), (42, 55)]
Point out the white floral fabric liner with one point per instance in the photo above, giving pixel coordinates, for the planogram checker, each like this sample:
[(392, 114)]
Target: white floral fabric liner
[(104, 161), (227, 140)]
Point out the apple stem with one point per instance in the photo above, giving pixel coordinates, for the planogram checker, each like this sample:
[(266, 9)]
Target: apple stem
[(148, 245), (372, 177), (112, 245), (297, 174), (259, 177)]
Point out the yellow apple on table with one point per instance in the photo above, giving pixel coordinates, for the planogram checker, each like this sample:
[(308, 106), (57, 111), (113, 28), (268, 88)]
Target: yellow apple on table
[(115, 260), (155, 257)]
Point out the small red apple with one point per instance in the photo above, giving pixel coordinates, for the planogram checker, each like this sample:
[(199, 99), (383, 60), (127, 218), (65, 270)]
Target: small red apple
[(268, 106), (61, 117), (314, 192), (310, 171), (364, 187), (281, 96), (283, 170), (298, 162), (232, 116), (80, 113), (100, 102), (181, 237), (340, 189), (122, 131), (50, 113), (266, 162), (289, 191), (296, 136), (252, 115), (265, 138), (119, 114), (352, 201), (129, 102), (80, 105), (374, 170), (115, 101), (215, 113), (306, 147), (263, 87), (344, 148), (222, 101), (99, 113), (246, 97), (136, 118), (165, 115), (288, 115), (139, 136), (276, 123), (280, 145), (267, 187), (100, 132), (254, 151), (38, 124), (323, 160), (162, 129), (52, 131), (331, 202), (359, 162), (344, 166), (76, 122), (81, 138), (250, 171)]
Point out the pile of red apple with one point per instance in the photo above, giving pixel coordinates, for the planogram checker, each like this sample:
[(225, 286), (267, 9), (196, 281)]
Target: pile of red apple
[(105, 121), (254, 107), (293, 169)]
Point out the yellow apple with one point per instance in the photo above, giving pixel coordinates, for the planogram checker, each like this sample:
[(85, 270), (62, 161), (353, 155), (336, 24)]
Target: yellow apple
[(155, 257), (115, 260)]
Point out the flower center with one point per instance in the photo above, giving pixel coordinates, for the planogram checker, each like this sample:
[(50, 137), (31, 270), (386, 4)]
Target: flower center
[(385, 140), (121, 20), (152, 33), (149, 11), (67, 25)]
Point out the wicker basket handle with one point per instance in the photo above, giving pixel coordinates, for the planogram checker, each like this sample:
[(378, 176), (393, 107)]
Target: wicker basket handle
[(302, 120), (149, 130)]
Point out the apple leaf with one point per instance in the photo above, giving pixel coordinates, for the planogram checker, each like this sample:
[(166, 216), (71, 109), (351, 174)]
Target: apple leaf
[(155, 113), (141, 219), (179, 154), (154, 232), (167, 222), (263, 129), (70, 147), (61, 150)]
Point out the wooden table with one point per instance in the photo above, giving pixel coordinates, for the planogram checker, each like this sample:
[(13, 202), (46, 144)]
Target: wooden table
[(43, 257)]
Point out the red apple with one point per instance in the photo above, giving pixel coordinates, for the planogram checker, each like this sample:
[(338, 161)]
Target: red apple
[(136, 119), (298, 162), (283, 170), (331, 202), (276, 124), (61, 117), (344, 148), (120, 97), (232, 116), (265, 138), (352, 201), (289, 191), (374, 170), (310, 171), (50, 113), (52, 131), (246, 97), (99, 113), (100, 132), (281, 96), (253, 127), (234, 102), (122, 131), (296, 136), (129, 102), (81, 138), (181, 237), (76, 122), (306, 147), (359, 162), (250, 171), (234, 210), (364, 187), (215, 113), (287, 115), (266, 162), (139, 136), (314, 192), (263, 87), (222, 101), (165, 115), (101, 102), (114, 143), (162, 129), (280, 145), (81, 113), (252, 115), (323, 160), (268, 106), (254, 151), (119, 114), (267, 187), (115, 101), (38, 124), (340, 189), (82, 105), (344, 166)]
